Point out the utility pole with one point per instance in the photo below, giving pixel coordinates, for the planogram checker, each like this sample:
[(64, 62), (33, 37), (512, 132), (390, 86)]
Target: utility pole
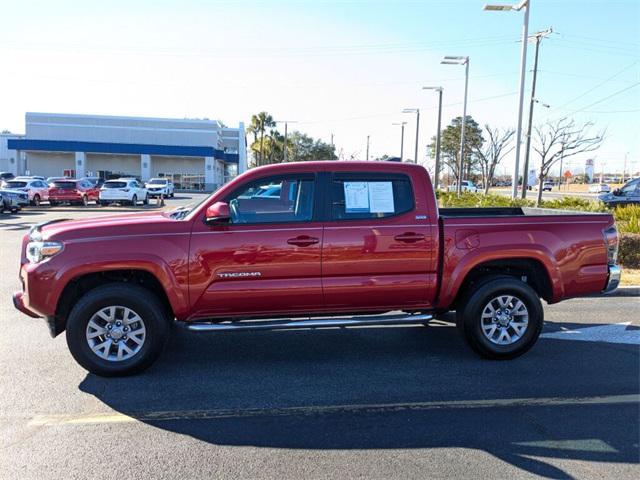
[(561, 172), (286, 127), (538, 36), (368, 147)]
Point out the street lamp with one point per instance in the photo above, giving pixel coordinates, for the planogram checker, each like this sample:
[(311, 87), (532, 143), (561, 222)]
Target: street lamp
[(526, 5), (402, 124), (417, 112), (286, 125), (437, 174), (368, 147), (460, 61)]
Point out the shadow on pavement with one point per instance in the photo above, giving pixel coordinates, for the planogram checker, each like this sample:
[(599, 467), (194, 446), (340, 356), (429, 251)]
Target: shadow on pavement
[(391, 368)]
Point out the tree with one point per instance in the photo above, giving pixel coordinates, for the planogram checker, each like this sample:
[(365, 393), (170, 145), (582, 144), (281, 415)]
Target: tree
[(259, 124), (450, 144), (490, 156), (562, 139), (302, 148)]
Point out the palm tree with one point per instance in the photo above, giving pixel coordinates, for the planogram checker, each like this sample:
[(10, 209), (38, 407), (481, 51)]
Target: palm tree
[(259, 124)]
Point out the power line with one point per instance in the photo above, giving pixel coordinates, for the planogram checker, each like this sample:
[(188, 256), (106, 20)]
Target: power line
[(606, 98), (595, 87)]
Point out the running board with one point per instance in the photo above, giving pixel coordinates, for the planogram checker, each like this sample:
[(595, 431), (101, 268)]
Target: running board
[(329, 322)]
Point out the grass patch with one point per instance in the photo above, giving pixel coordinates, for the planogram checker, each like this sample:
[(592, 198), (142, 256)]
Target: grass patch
[(630, 276)]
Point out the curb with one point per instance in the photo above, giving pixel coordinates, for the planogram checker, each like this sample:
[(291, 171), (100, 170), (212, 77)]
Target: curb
[(624, 291)]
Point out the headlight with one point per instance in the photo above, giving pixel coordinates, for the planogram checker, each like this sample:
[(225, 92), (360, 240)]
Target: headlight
[(38, 251)]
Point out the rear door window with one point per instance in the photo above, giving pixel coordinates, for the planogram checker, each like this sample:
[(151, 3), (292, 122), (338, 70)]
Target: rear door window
[(363, 196)]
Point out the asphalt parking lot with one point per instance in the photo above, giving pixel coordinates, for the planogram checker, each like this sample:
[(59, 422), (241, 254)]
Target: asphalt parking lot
[(388, 402)]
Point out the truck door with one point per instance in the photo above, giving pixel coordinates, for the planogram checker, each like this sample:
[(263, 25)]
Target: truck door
[(267, 259), (378, 244)]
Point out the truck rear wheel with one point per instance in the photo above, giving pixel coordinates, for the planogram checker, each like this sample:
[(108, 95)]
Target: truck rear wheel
[(117, 329), (501, 318)]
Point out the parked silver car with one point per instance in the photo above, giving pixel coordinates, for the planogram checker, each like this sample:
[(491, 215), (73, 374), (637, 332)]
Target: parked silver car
[(37, 190)]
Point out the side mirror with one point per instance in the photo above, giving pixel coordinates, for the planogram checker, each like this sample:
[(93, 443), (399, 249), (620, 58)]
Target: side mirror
[(218, 213)]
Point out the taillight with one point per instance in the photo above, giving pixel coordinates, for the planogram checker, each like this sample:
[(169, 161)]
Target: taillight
[(611, 243)]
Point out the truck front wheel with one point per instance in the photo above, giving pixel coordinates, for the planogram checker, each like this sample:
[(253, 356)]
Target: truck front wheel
[(501, 318), (117, 329)]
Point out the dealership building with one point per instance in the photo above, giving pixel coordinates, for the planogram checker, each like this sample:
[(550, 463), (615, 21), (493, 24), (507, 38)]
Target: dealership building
[(194, 154)]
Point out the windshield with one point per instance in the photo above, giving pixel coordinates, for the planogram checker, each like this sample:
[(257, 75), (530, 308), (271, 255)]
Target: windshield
[(16, 184), (64, 184), (157, 181), (114, 185)]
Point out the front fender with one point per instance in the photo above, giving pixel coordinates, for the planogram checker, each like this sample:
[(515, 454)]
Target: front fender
[(46, 282)]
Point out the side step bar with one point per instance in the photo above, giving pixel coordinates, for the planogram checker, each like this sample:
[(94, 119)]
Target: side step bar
[(330, 322)]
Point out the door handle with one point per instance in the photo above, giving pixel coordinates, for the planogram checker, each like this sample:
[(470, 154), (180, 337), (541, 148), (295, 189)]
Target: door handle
[(409, 237), (303, 241)]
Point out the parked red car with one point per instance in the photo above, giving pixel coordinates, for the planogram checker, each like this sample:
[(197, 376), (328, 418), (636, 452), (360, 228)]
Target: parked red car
[(309, 245), (79, 192)]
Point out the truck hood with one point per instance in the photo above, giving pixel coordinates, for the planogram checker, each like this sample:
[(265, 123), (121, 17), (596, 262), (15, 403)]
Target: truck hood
[(133, 224)]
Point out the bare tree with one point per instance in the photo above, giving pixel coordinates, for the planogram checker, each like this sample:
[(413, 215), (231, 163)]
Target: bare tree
[(493, 152), (562, 139)]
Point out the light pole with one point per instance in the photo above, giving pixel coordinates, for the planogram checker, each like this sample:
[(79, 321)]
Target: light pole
[(417, 112), (286, 126), (460, 61), (402, 124), (437, 173), (526, 4), (368, 147)]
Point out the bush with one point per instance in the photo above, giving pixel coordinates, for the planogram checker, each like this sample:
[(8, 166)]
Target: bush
[(468, 199), (628, 219), (629, 252), (575, 203)]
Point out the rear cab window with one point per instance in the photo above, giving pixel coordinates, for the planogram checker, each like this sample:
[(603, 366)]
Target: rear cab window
[(356, 196)]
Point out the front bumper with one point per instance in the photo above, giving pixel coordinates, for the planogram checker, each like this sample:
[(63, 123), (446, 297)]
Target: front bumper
[(18, 302), (613, 279)]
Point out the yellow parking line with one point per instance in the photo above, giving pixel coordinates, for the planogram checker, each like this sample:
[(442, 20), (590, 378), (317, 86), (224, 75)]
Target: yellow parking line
[(158, 416)]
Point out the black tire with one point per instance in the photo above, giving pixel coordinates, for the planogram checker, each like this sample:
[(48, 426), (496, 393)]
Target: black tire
[(146, 200), (172, 194), (140, 300), (134, 200), (85, 201), (469, 315), (36, 200)]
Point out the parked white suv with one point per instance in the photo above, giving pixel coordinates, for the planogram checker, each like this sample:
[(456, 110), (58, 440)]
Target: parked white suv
[(158, 186), (36, 189), (123, 190), (467, 186)]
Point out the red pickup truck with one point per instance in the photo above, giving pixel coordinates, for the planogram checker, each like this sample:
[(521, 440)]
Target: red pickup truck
[(309, 245)]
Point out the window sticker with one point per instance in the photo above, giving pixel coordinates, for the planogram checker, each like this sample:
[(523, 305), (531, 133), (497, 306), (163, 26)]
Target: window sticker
[(356, 197), (381, 197)]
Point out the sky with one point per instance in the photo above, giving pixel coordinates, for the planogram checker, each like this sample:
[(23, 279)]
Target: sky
[(346, 68)]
